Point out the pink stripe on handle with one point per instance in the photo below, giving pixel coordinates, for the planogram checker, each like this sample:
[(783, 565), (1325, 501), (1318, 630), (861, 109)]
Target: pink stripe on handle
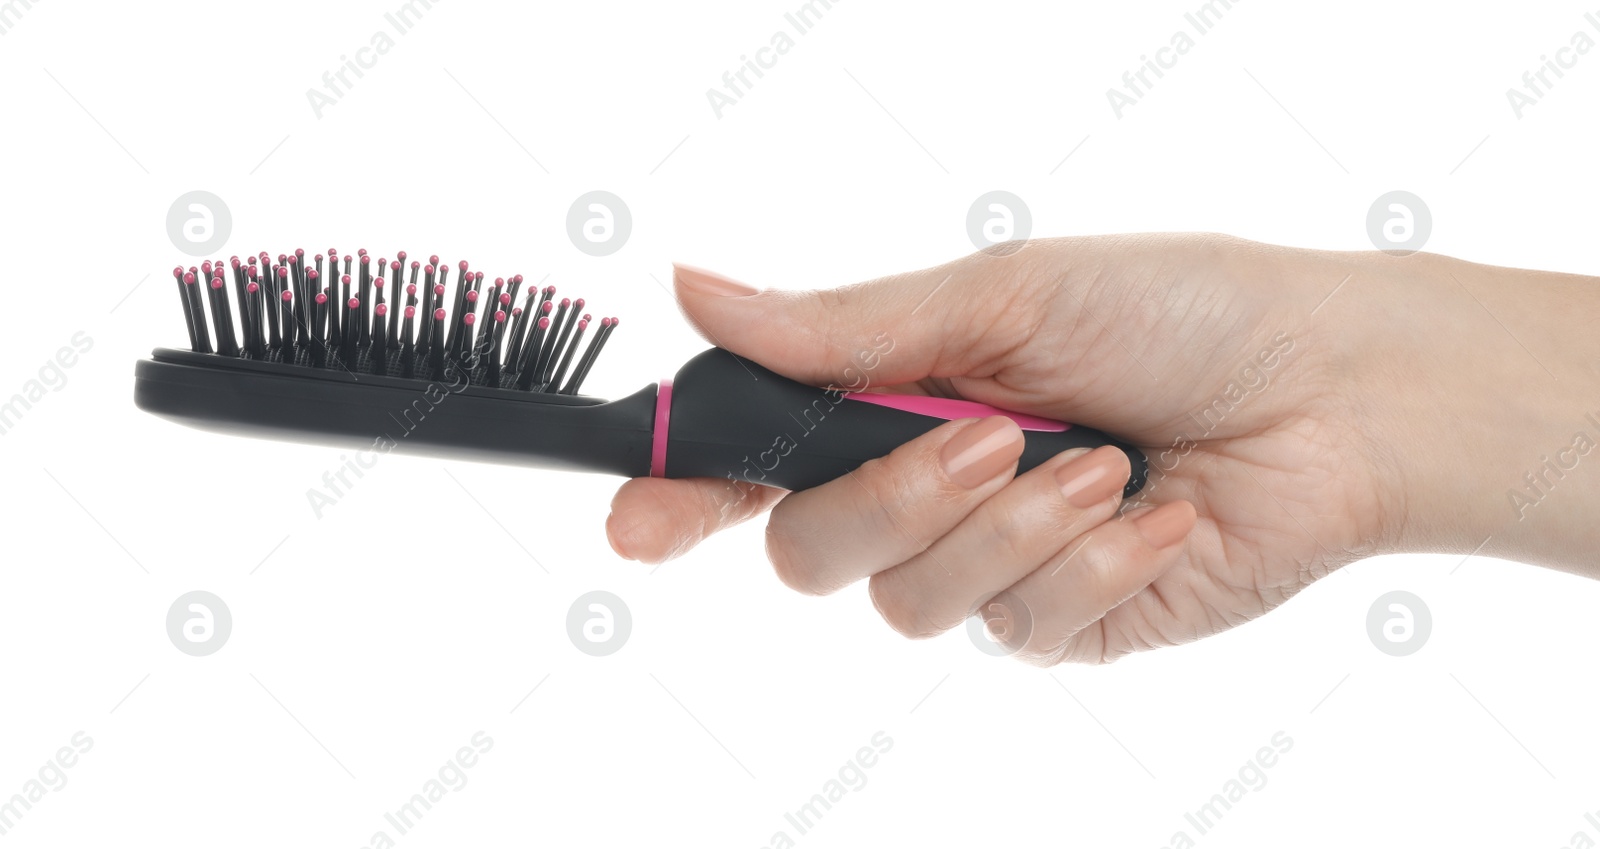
[(658, 440), (951, 409)]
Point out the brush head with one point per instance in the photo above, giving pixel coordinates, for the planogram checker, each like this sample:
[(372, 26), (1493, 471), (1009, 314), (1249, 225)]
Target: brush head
[(305, 335), (286, 351)]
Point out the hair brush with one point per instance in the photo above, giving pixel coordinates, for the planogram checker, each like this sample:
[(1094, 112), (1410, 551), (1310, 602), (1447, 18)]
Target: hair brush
[(369, 358)]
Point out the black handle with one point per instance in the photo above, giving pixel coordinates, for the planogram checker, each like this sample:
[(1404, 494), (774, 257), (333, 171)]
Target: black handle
[(732, 418)]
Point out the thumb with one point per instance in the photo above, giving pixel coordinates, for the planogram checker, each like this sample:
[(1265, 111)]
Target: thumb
[(908, 327)]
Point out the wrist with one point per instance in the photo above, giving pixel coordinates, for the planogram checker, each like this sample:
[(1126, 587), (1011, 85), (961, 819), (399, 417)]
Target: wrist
[(1479, 389)]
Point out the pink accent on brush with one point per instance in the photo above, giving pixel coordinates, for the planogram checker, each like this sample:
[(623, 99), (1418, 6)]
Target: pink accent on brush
[(952, 408), (658, 440)]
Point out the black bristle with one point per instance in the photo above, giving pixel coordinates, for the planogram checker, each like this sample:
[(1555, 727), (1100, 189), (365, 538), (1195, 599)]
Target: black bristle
[(312, 312), (546, 374), (566, 359), (380, 339), (607, 326), (408, 366)]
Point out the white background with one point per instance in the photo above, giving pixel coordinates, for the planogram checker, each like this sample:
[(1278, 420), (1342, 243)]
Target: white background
[(371, 644)]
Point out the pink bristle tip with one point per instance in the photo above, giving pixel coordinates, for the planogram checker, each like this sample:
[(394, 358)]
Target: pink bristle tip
[(438, 314), (322, 297), (252, 288), (411, 312), (544, 323), (499, 315), (355, 303), (381, 309), (469, 318), (288, 296)]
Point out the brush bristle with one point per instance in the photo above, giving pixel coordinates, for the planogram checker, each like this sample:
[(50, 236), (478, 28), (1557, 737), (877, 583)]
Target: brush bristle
[(289, 313)]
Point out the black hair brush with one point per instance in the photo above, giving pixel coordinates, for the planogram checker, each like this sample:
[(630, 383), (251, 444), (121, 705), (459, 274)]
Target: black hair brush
[(299, 351)]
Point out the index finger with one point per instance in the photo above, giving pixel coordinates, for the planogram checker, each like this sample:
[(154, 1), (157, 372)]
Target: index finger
[(654, 519)]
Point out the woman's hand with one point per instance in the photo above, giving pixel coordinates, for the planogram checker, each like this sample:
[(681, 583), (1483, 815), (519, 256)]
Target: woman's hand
[(1278, 393)]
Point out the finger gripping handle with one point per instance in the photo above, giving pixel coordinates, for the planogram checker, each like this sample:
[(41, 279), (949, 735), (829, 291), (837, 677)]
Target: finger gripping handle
[(731, 418)]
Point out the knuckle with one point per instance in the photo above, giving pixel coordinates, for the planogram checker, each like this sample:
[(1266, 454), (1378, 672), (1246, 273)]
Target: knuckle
[(891, 482), (789, 560), (900, 608)]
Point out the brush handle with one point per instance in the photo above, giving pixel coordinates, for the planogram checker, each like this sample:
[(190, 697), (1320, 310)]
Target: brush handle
[(726, 417)]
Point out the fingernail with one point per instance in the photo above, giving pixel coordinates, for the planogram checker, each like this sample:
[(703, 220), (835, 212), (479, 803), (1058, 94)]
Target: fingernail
[(981, 451), (1093, 477), (710, 282), (1166, 524)]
